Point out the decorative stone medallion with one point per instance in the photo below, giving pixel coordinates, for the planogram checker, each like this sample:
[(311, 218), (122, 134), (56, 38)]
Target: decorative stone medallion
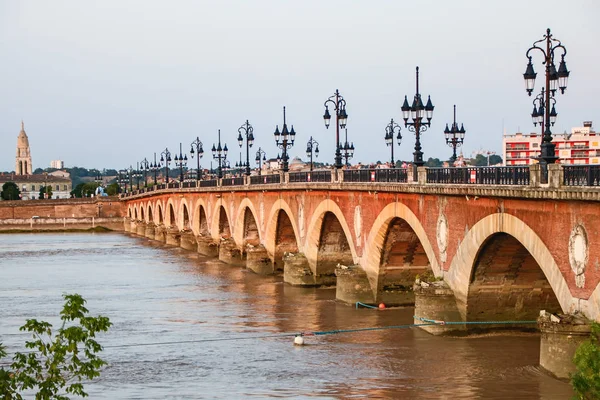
[(442, 236), (578, 254)]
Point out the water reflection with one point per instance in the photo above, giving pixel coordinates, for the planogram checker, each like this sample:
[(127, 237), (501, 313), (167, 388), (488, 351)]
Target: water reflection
[(156, 294)]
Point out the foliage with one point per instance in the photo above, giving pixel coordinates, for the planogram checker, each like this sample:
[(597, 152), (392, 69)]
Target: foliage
[(89, 189), (77, 190), (586, 381), (113, 189), (495, 159), (56, 364), (10, 191), (45, 192), (433, 162)]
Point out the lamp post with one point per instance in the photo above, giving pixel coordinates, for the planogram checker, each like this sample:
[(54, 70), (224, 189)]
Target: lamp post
[(312, 148), (390, 129), (455, 137), (347, 149), (285, 141), (180, 162), (259, 160), (417, 112), (154, 167), (98, 178), (220, 154), (145, 166), (247, 130), (554, 80), (123, 179), (197, 148), (339, 105), (165, 159)]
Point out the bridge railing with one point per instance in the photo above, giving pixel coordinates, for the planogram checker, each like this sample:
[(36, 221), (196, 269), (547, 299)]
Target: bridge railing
[(265, 179), (232, 181), (376, 175), (311, 176), (209, 183), (514, 175), (581, 175), (189, 184)]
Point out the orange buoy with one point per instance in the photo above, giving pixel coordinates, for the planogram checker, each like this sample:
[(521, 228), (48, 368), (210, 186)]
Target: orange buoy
[(381, 306)]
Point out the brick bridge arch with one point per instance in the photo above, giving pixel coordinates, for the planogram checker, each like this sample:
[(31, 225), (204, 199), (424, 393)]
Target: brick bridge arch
[(241, 222), (459, 275)]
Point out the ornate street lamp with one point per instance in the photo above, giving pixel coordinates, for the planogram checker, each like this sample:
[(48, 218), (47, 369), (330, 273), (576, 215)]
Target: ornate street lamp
[(123, 180), (417, 112), (145, 165), (347, 149), (259, 160), (165, 159), (180, 162), (455, 137), (390, 129), (154, 167), (197, 149), (545, 115), (285, 141), (247, 130), (339, 105), (220, 154), (312, 148)]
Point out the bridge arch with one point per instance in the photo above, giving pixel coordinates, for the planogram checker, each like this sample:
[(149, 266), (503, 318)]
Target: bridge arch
[(246, 227), (184, 215), (399, 218), (135, 212), (149, 213), (142, 216), (459, 276), (327, 213), (199, 219), (278, 238), (161, 218), (220, 226), (171, 216)]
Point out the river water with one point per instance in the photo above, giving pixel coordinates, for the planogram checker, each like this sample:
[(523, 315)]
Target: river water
[(190, 303)]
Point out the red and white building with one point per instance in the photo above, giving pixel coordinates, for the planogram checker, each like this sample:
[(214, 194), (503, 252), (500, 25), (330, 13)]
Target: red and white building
[(581, 146)]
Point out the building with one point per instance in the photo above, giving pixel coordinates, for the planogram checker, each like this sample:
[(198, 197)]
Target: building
[(23, 159), (581, 146), (30, 184), (58, 164)]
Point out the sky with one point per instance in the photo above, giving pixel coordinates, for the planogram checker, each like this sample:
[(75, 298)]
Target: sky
[(105, 84)]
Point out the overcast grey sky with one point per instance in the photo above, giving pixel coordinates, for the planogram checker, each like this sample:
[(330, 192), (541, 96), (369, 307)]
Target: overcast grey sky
[(103, 84)]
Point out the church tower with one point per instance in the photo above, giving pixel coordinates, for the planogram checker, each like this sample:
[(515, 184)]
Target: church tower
[(23, 164)]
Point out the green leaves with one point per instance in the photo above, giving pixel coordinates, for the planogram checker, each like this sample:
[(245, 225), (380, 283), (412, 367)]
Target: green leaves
[(586, 381), (58, 362)]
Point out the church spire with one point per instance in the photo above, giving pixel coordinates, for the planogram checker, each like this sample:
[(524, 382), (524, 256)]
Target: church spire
[(23, 159)]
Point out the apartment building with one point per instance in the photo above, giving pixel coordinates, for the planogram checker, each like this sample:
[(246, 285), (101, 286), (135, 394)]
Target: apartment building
[(581, 146)]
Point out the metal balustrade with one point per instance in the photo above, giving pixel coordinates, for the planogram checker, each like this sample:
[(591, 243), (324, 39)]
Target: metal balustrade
[(581, 175), (517, 175), (232, 181), (189, 184), (209, 183), (265, 179), (376, 175), (312, 176)]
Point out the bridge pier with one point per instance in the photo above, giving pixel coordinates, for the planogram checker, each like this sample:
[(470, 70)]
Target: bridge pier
[(352, 285), (560, 338), (296, 270), (188, 241), (160, 233), (140, 228), (150, 231), (207, 246), (436, 301), (229, 253), (173, 236), (126, 224), (258, 260)]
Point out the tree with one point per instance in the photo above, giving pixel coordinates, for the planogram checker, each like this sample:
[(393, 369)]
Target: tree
[(113, 189), (45, 192), (89, 189), (433, 162), (78, 190), (586, 381), (495, 159), (10, 191), (56, 364)]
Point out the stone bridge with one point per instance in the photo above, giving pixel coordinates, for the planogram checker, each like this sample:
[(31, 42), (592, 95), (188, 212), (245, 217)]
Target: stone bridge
[(502, 252)]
